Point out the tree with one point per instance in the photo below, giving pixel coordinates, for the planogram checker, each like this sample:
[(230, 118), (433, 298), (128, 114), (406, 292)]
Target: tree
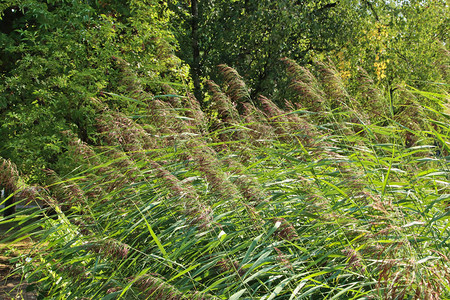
[(400, 41), (392, 40), (252, 36), (55, 56)]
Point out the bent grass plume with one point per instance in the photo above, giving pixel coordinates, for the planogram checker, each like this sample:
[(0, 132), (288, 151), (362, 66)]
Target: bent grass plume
[(300, 208)]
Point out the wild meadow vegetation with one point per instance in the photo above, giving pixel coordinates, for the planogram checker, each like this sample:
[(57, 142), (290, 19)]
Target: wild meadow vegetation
[(321, 178)]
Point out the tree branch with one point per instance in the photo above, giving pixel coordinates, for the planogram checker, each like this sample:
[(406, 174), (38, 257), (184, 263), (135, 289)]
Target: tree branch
[(369, 4), (326, 6)]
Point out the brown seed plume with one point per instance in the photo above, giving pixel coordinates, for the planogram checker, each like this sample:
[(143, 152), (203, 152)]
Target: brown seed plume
[(237, 90)]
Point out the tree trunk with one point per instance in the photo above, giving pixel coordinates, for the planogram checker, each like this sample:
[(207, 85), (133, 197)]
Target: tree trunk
[(195, 68)]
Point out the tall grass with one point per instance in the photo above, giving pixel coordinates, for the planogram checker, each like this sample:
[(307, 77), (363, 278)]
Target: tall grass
[(320, 199)]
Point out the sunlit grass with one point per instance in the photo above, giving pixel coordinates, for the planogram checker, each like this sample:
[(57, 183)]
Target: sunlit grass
[(268, 203)]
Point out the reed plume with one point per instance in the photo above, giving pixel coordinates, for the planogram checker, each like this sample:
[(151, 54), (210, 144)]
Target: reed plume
[(261, 131), (129, 81), (157, 288), (305, 84), (18, 190), (332, 84), (197, 122), (369, 96), (66, 193), (275, 116), (220, 102), (9, 176), (208, 165), (199, 213), (236, 88), (246, 184), (118, 130)]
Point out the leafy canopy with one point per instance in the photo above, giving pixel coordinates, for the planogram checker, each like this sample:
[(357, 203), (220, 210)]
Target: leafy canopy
[(55, 56)]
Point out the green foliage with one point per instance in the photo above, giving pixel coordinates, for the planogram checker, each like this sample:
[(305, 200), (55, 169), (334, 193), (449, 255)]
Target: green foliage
[(400, 41), (251, 36), (336, 188), (394, 41), (56, 55)]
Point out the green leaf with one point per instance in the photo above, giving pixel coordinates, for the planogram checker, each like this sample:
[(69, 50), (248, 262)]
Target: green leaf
[(237, 295)]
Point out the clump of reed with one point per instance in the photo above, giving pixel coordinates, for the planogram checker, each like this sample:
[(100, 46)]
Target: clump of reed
[(17, 192), (197, 121), (9, 176), (156, 288), (66, 193), (118, 130), (370, 99), (305, 84), (228, 118), (207, 163), (261, 131), (236, 87), (333, 86), (295, 206)]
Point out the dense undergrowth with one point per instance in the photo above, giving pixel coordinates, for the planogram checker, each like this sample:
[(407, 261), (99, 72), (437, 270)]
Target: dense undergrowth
[(337, 195)]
